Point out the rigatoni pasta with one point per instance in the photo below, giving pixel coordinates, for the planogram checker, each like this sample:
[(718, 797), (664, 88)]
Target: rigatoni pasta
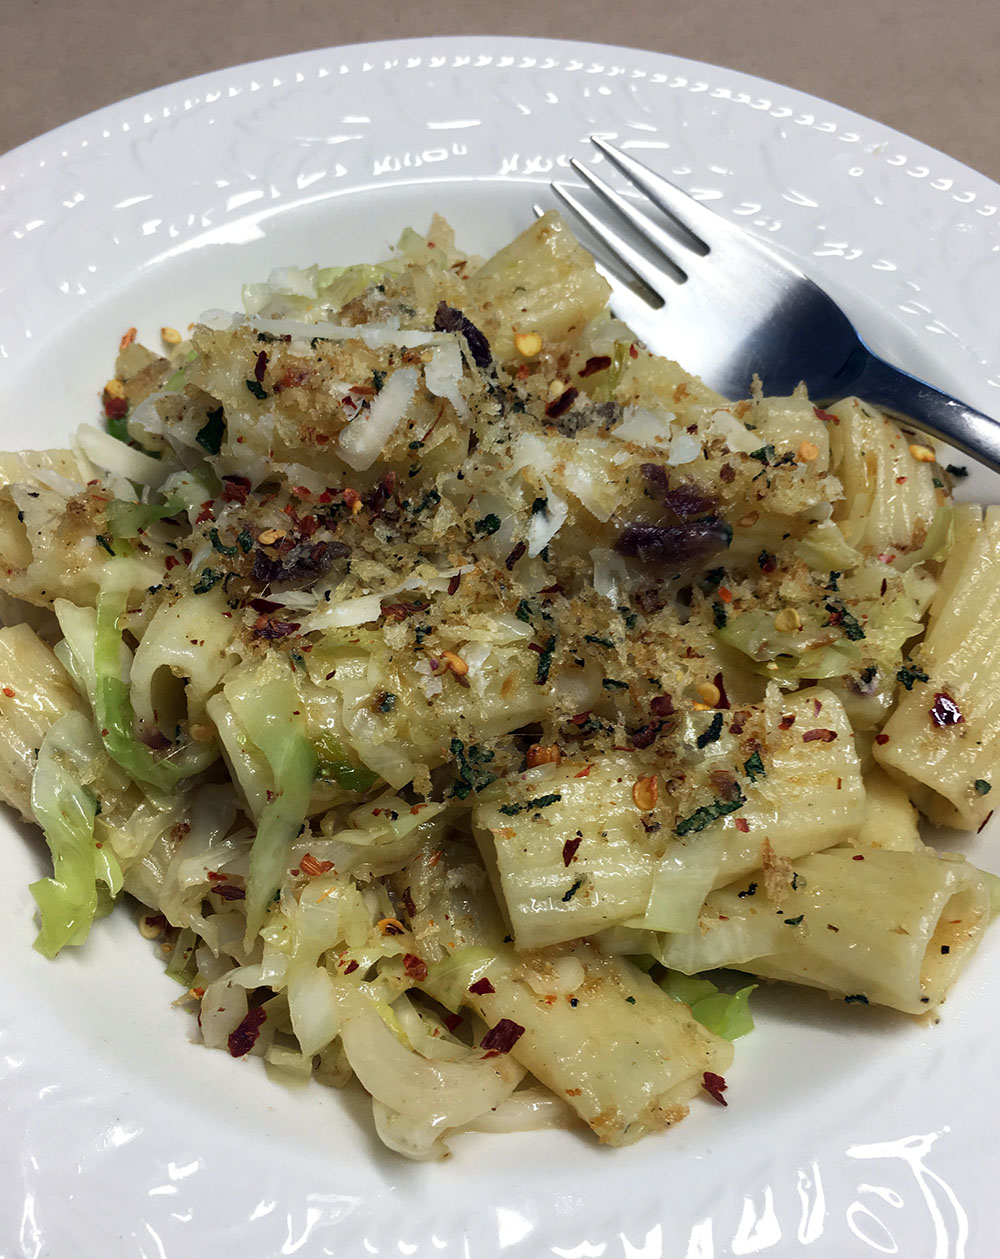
[(451, 677)]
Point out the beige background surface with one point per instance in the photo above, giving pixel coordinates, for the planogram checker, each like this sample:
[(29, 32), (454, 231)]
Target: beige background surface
[(926, 67)]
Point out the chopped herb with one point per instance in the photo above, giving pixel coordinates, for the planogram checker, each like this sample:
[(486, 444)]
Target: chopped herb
[(378, 380), (629, 616), (209, 577), (387, 702), (711, 734), (104, 541), (257, 389), (868, 674), (540, 802), (523, 612), (753, 767), (599, 642), (416, 446), (244, 540), (471, 775), (219, 545), (957, 470), (860, 998), (983, 788), (430, 499), (909, 674), (794, 922), (750, 890), (832, 583), (421, 632), (117, 427), (764, 455), (545, 660), (712, 579), (568, 896), (209, 438), (719, 615), (540, 505), (630, 1000), (613, 684), (707, 814), (489, 524), (840, 616)]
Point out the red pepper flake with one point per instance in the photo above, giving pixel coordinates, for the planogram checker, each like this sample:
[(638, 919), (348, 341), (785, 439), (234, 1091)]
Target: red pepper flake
[(559, 406), (351, 967), (454, 584), (453, 1021), (725, 594), (819, 736), (817, 707), (787, 721), (715, 1085), (633, 350), (128, 338), (580, 718), (881, 739), (858, 856), (115, 408), (415, 967), (481, 987), (353, 499), (229, 892), (663, 705), (311, 866), (170, 562), (245, 1037), (742, 825), (719, 685), (584, 773), (945, 712), (901, 480), (825, 415), (984, 821), (885, 586), (206, 512), (599, 363), (503, 1037), (235, 489), (569, 849), (515, 555), (260, 367), (215, 875), (8, 692)]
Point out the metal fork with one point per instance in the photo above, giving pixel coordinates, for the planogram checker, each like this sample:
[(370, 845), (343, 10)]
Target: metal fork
[(732, 308)]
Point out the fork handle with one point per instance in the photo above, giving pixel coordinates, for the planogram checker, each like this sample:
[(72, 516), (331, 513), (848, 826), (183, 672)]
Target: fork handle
[(923, 406)]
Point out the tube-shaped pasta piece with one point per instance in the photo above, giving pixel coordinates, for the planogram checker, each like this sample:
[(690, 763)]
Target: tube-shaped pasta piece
[(568, 848), (624, 1055), (887, 928), (890, 819), (35, 691), (889, 495), (943, 739)]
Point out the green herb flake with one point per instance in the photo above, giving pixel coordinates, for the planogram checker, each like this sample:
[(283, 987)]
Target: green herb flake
[(209, 438), (856, 998), (104, 541), (219, 545), (956, 470), (568, 896), (753, 767), (117, 426), (630, 1000), (629, 617), (523, 612), (794, 922), (983, 788), (909, 674), (540, 802), (244, 540), (208, 578), (843, 619), (489, 524), (720, 617), (707, 814), (598, 642), (711, 733), (378, 380), (545, 660), (613, 684), (764, 455), (257, 389), (387, 702), (471, 774)]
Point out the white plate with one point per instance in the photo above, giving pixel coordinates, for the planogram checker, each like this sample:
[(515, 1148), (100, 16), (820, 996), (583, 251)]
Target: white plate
[(850, 1132)]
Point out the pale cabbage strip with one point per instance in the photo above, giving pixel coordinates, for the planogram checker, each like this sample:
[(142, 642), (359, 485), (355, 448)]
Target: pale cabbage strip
[(455, 682)]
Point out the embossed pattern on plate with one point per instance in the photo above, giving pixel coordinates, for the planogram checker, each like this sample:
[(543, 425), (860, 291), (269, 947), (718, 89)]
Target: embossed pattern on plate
[(845, 1136)]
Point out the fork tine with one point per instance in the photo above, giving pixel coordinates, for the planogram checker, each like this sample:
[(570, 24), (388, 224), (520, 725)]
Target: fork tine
[(696, 220), (657, 278), (626, 304)]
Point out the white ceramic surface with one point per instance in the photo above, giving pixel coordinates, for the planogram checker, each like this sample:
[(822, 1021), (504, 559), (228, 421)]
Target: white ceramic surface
[(850, 1132)]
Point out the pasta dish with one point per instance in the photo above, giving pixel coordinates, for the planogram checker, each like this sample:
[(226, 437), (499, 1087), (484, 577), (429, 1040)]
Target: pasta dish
[(473, 699)]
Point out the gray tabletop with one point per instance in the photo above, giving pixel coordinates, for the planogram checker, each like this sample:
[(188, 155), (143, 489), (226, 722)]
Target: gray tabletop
[(926, 68)]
